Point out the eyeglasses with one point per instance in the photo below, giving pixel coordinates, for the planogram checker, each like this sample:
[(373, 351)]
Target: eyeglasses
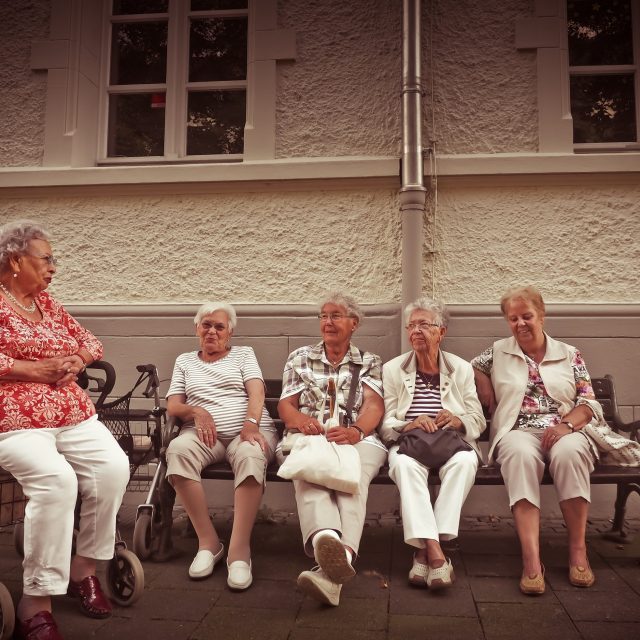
[(422, 326), (51, 261), (332, 316)]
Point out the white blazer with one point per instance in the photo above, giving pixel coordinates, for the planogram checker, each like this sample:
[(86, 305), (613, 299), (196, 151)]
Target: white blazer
[(457, 389)]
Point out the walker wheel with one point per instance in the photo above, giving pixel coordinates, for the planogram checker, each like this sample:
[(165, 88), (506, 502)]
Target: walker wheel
[(143, 536), (125, 577), (7, 613)]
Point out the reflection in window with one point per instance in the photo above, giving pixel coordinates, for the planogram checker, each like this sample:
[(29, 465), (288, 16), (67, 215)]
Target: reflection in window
[(215, 122), (218, 50), (139, 52), (129, 7), (136, 126), (603, 71)]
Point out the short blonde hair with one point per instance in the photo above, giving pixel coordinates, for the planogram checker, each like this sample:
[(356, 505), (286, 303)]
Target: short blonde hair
[(528, 294), (211, 307)]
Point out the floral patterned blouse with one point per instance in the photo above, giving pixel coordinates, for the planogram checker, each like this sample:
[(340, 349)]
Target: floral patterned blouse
[(539, 410), (37, 405)]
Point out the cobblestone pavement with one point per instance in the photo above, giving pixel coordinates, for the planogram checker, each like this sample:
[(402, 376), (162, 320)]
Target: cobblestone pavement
[(378, 604)]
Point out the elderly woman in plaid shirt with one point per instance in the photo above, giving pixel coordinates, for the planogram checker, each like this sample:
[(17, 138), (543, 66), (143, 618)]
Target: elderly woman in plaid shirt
[(332, 521)]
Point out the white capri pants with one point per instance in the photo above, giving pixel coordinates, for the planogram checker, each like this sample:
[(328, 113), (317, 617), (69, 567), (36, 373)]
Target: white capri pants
[(420, 520), (52, 466), (521, 459), (323, 508)]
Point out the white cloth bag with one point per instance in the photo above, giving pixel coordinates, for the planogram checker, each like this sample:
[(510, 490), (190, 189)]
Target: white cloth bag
[(314, 459)]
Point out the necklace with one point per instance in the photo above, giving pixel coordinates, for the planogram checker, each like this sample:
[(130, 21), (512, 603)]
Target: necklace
[(30, 309), (431, 380)]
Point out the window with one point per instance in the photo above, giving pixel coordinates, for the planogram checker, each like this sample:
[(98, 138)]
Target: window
[(174, 80), (604, 73)]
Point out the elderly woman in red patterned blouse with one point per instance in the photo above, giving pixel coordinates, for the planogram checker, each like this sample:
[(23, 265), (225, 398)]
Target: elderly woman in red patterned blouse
[(50, 438)]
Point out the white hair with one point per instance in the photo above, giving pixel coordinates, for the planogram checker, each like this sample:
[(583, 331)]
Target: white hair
[(211, 307), (343, 300), (424, 303), (15, 238)]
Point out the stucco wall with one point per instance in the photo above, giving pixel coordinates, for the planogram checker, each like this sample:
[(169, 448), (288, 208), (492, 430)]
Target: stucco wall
[(23, 91)]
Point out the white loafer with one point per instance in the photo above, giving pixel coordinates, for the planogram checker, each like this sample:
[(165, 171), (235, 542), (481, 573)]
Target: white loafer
[(204, 563), (317, 584), (330, 554), (240, 577)]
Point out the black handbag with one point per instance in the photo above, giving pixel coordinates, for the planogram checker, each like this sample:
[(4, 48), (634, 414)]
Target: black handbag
[(432, 449)]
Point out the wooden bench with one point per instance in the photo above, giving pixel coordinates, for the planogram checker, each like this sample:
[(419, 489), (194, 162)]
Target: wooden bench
[(627, 480)]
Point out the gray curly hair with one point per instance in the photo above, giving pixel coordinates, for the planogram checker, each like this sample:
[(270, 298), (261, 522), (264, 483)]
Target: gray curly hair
[(424, 303), (15, 238)]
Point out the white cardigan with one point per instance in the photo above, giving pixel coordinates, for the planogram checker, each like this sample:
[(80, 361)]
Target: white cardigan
[(457, 389), (510, 374)]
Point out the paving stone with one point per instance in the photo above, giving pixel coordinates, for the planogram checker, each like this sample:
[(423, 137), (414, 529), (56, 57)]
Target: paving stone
[(240, 623), (526, 621), (167, 604), (353, 613), (404, 627), (609, 630), (454, 601), (264, 594), (504, 590), (606, 578), (628, 571), (140, 627), (589, 604), (348, 633), (493, 565)]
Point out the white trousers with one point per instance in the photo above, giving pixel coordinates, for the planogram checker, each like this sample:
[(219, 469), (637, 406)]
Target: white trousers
[(521, 459), (322, 508), (420, 520), (52, 466)]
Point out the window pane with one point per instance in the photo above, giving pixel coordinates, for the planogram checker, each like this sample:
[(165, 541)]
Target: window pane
[(218, 49), (208, 5), (603, 108), (128, 7), (216, 122), (599, 32), (136, 125), (138, 52)]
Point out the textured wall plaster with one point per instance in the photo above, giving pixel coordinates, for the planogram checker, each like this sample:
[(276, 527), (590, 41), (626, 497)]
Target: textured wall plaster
[(481, 91), (341, 96), (23, 91), (254, 248), (577, 244)]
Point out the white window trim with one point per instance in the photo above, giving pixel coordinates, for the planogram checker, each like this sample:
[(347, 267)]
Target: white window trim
[(72, 54), (547, 32)]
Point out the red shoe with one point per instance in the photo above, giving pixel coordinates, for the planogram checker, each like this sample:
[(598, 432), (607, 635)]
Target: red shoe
[(41, 627), (93, 601)]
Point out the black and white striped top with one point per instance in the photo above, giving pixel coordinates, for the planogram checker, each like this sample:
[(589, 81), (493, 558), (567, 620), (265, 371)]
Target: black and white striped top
[(426, 398), (219, 387)]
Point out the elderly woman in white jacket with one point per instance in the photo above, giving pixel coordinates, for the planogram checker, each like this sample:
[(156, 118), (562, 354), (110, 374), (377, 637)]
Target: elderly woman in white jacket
[(430, 389)]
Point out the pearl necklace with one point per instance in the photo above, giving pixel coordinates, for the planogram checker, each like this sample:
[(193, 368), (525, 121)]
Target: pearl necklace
[(30, 309)]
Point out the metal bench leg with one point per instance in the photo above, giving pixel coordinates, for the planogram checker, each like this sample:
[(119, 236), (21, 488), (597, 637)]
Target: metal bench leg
[(617, 532)]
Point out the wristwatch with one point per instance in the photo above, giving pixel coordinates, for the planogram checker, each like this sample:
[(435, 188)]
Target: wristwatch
[(569, 424), (252, 421), (359, 430)]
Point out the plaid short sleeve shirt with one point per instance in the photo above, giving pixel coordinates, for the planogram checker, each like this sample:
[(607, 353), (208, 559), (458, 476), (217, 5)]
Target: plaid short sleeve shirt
[(307, 372)]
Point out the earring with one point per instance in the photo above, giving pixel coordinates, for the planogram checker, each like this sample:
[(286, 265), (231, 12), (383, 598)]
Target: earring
[(15, 275)]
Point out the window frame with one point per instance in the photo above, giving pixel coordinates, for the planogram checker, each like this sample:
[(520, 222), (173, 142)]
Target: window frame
[(176, 86), (601, 70)]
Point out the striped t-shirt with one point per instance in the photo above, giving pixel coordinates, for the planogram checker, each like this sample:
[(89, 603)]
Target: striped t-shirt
[(219, 387), (426, 399)]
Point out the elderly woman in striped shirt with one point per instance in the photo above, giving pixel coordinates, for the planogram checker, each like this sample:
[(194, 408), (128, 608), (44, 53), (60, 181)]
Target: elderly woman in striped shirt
[(218, 393), (430, 389)]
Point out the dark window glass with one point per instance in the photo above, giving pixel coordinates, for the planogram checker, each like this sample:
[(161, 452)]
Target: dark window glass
[(136, 125), (139, 53), (603, 108), (210, 5), (215, 122), (128, 7), (218, 49), (599, 32)]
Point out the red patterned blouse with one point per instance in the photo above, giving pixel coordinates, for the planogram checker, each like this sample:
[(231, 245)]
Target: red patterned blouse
[(36, 405)]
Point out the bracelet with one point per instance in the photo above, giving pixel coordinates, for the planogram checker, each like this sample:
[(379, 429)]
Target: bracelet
[(252, 421), (359, 430), (569, 424)]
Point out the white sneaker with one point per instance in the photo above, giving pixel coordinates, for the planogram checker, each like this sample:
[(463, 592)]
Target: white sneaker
[(204, 562), (240, 576), (418, 574), (330, 554), (319, 586), (441, 577)]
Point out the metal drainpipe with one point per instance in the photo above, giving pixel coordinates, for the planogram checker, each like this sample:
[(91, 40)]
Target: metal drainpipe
[(413, 193)]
